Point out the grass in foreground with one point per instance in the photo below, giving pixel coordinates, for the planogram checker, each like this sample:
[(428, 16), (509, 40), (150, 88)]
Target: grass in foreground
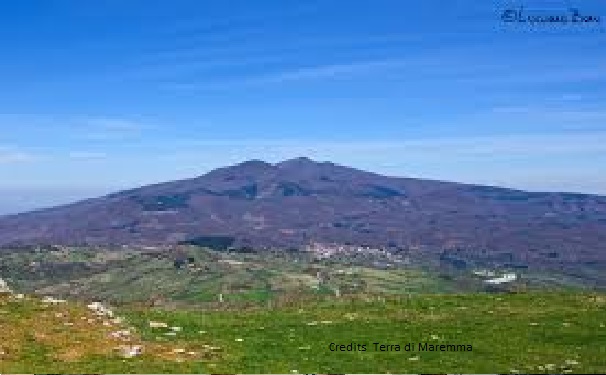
[(526, 333)]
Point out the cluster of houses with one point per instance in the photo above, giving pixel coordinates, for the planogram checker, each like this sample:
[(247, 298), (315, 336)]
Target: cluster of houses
[(324, 250)]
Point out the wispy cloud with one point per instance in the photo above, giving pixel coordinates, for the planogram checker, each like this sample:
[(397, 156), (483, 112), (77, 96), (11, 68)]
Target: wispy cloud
[(200, 24), (247, 47), (567, 159), (325, 71), (476, 146), (87, 155), (112, 129), (11, 156), (537, 75), (571, 97), (461, 69), (187, 62), (556, 115)]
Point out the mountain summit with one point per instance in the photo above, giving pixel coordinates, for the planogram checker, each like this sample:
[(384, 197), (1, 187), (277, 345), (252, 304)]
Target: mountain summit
[(301, 201)]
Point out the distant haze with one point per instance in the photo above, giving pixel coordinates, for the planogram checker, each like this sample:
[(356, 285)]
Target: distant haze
[(22, 200), (583, 180)]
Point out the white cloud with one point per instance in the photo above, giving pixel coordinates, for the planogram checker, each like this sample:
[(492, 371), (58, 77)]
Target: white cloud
[(552, 114), (87, 155), (537, 76), (111, 129), (11, 156), (571, 97), (511, 109), (551, 162), (459, 70), (325, 71), (529, 144)]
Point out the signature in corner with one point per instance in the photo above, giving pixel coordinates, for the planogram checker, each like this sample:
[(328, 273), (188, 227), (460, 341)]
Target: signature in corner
[(572, 15)]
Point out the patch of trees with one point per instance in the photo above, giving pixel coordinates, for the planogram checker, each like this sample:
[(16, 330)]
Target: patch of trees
[(381, 192), (180, 262), (211, 242), (291, 189), (162, 202), (246, 192), (452, 260)]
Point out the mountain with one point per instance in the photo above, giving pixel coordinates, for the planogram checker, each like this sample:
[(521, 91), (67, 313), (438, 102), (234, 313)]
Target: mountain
[(299, 201)]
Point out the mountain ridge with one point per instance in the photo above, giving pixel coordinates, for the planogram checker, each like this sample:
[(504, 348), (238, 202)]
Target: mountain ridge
[(300, 201)]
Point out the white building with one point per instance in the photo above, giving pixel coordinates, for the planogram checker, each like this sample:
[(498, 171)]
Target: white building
[(506, 278), (484, 273)]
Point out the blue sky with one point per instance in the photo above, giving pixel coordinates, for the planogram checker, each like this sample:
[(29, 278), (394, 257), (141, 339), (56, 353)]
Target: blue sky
[(104, 95)]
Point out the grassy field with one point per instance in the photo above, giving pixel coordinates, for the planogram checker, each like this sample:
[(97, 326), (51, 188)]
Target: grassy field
[(508, 333)]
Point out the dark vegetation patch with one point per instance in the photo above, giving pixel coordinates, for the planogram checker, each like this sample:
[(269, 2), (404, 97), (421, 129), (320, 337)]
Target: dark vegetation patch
[(502, 194), (381, 192), (245, 192), (162, 202), (290, 189), (212, 242)]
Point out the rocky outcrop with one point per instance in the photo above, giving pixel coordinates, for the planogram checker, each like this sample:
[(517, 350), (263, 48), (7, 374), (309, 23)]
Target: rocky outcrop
[(4, 288)]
